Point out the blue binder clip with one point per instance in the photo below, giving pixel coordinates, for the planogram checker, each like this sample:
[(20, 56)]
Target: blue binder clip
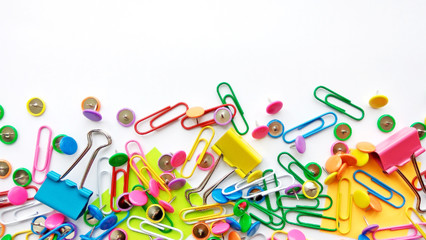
[(63, 195), (313, 131)]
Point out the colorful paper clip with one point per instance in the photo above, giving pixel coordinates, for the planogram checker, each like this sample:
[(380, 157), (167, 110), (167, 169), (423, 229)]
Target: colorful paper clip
[(318, 129), (194, 147), (27, 233), (157, 115), (100, 174), (60, 234), (12, 215), (234, 99), (393, 229), (159, 226), (381, 184), (347, 215), (336, 96), (271, 219), (49, 150), (139, 150), (315, 206), (63, 195), (305, 214), (416, 225), (113, 189), (222, 116), (219, 212), (308, 174)]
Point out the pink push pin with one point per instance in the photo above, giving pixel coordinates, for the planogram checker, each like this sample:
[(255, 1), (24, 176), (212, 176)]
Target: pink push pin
[(154, 188), (299, 144), (339, 148), (54, 220), (260, 131), (178, 159), (207, 162), (138, 198), (220, 228), (17, 195), (295, 234), (274, 107), (167, 206)]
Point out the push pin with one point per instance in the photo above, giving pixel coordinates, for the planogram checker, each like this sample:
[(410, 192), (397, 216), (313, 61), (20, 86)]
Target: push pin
[(366, 147), (219, 228), (254, 175), (233, 235), (38, 225), (195, 112), (91, 107), (233, 223), (167, 206), (361, 199), (124, 203), (386, 123), (276, 128), (299, 144), (240, 208), (207, 162), (339, 148), (293, 189), (155, 213), (315, 169), (117, 234), (362, 157), (1, 112), (126, 117), (118, 159), (378, 101), (105, 222), (165, 164), (258, 198), (70, 227), (245, 222), (342, 131), (274, 107), (200, 231), (332, 177), (420, 129), (223, 116), (93, 215), (253, 229), (64, 144), (178, 159), (8, 134), (17, 195), (218, 196), (36, 106), (367, 230), (5, 169), (22, 177), (260, 131), (233, 196), (54, 220), (310, 189)]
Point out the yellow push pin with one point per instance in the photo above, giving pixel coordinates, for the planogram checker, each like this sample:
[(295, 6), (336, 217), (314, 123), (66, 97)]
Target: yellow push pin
[(36, 106), (361, 199), (362, 157), (378, 101)]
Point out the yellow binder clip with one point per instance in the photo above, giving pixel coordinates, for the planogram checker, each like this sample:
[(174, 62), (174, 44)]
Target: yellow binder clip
[(347, 216), (194, 147), (237, 152), (416, 225), (219, 211)]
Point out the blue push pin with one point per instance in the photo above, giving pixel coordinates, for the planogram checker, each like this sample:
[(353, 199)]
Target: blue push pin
[(253, 229), (68, 145), (218, 196), (233, 223), (235, 195)]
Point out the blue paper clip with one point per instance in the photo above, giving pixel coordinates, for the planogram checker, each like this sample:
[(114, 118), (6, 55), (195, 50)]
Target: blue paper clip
[(332, 94), (381, 184), (312, 132), (63, 195)]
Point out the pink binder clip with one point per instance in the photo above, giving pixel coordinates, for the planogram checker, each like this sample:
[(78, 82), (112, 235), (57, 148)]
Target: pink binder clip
[(398, 150)]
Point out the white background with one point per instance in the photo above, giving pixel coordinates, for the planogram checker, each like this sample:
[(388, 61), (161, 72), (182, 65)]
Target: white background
[(146, 55)]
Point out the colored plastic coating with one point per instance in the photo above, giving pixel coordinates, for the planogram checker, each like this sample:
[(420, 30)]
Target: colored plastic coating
[(342, 131), (54, 220), (8, 134), (36, 106), (126, 117), (361, 199), (378, 101), (386, 123), (260, 132), (17, 195), (274, 107), (276, 128)]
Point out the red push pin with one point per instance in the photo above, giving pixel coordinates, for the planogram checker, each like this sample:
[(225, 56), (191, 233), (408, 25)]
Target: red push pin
[(274, 107), (260, 131)]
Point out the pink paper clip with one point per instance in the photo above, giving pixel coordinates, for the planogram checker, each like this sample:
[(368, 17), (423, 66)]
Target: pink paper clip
[(139, 149), (49, 150), (157, 115), (398, 150), (415, 234)]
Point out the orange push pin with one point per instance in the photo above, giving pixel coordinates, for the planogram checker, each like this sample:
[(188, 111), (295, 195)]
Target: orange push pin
[(378, 101), (366, 147)]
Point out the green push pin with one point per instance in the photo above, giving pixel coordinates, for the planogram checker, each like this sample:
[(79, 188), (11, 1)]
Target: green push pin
[(7, 237), (342, 131), (1, 112), (245, 222), (118, 159), (56, 141), (8, 134), (22, 177), (421, 129), (386, 123), (214, 238)]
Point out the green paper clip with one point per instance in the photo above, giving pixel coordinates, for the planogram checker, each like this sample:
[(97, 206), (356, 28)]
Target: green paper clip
[(332, 94), (236, 103), (305, 214), (277, 194), (306, 172), (307, 207), (270, 222)]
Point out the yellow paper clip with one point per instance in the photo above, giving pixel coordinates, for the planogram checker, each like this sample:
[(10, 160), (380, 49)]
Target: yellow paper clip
[(219, 211), (27, 233), (151, 172), (194, 147), (237, 152), (347, 216), (416, 225)]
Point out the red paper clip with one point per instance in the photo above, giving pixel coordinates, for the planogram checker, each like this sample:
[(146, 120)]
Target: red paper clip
[(115, 172), (224, 107), (415, 180), (158, 114)]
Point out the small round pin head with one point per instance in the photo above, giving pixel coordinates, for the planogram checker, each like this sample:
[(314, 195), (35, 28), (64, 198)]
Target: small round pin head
[(178, 159), (233, 235), (240, 208), (56, 142), (167, 177), (260, 132), (254, 190), (68, 145), (233, 223), (155, 213), (339, 148), (1, 112), (276, 128), (36, 106), (218, 196), (219, 227), (123, 202), (167, 206), (378, 101), (375, 204), (315, 169), (369, 228), (38, 225), (108, 221), (342, 170), (138, 198), (195, 112), (154, 187), (222, 116), (274, 107), (164, 163), (118, 159), (310, 189), (330, 178), (92, 115), (70, 230), (253, 229), (54, 220), (254, 176), (342, 131), (420, 129), (362, 157), (366, 147), (126, 117), (200, 231), (91, 103), (95, 212), (293, 189), (333, 164), (17, 195), (5, 168), (22, 177), (299, 144), (8, 134), (348, 159), (361, 199), (386, 123), (245, 222), (176, 183), (233, 196), (207, 162), (117, 234)]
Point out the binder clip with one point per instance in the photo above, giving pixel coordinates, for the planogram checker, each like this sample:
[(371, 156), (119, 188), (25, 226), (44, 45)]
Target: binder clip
[(63, 195), (398, 150)]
